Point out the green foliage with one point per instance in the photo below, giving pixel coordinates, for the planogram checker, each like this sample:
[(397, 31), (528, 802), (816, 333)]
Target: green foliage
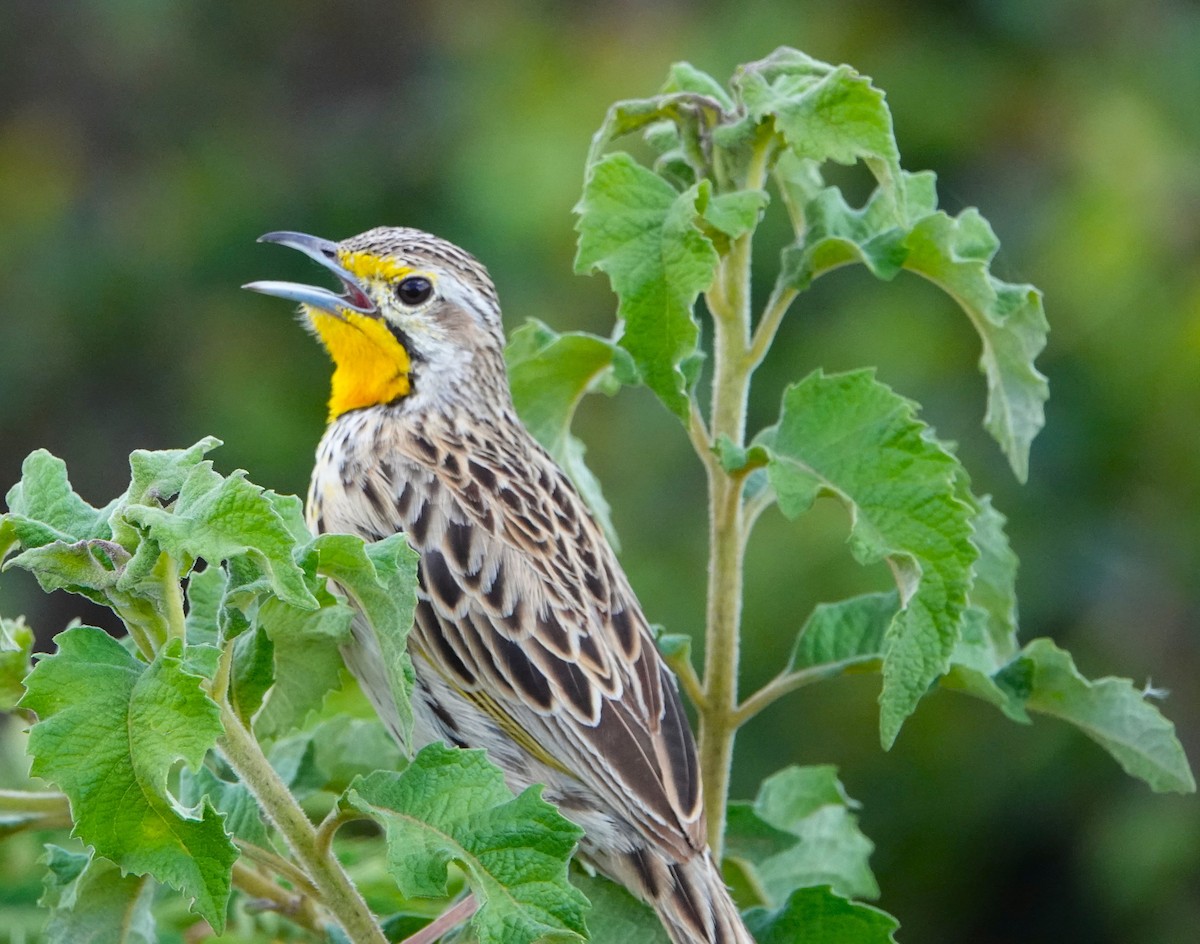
[(91, 902), (185, 754), (255, 652), (800, 832), (451, 806)]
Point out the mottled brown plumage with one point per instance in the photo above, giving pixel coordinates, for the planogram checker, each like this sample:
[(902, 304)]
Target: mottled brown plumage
[(528, 640)]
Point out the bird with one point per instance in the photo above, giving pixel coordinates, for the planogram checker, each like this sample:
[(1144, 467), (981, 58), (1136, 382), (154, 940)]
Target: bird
[(528, 640)]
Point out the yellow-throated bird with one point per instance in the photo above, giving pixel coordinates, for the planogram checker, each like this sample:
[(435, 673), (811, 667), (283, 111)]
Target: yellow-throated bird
[(528, 640)]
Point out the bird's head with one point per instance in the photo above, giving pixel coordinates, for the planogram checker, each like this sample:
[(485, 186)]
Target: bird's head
[(417, 319)]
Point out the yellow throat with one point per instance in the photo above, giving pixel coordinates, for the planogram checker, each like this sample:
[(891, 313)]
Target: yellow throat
[(370, 365)]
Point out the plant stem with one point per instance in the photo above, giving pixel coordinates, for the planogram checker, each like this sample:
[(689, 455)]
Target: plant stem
[(296, 907), (167, 570), (338, 893), (729, 302), (790, 681), (43, 802)]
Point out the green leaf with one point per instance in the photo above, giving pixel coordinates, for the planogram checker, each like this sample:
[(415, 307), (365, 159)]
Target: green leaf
[(849, 632), (253, 673), (16, 644), (818, 916), (735, 213), (380, 579), (639, 231), (44, 508), (243, 818), (800, 831), (217, 519), (994, 589), (307, 660), (205, 592), (851, 437), (822, 112), (1111, 711), (110, 730), (549, 374), (615, 916), (955, 253), (451, 806), (835, 234), (91, 902)]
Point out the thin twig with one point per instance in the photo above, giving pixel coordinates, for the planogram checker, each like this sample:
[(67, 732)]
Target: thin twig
[(280, 866), (788, 682)]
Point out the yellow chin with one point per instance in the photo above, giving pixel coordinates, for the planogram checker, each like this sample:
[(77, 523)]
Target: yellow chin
[(370, 365)]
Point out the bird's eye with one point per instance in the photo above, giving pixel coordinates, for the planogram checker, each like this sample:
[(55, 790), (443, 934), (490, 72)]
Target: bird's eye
[(414, 290)]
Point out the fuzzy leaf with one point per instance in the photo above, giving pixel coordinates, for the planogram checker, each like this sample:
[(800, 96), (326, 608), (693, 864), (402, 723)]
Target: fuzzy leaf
[(849, 436), (615, 916), (955, 254), (819, 916), (217, 519), (451, 806), (91, 902), (1111, 711), (800, 831), (639, 231), (243, 818), (823, 112), (307, 660), (550, 373), (110, 730), (849, 632), (380, 580), (16, 644)]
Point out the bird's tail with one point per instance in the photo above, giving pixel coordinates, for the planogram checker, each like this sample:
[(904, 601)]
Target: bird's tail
[(690, 897)]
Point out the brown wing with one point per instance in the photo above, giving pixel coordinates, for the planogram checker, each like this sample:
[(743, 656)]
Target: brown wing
[(525, 605)]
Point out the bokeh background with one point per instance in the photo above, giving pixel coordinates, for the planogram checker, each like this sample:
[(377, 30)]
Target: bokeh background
[(144, 146)]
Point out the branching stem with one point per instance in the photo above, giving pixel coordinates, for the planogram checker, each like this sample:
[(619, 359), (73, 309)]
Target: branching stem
[(338, 892), (729, 302)]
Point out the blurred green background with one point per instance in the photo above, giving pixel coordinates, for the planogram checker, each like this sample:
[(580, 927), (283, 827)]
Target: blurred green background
[(144, 146)]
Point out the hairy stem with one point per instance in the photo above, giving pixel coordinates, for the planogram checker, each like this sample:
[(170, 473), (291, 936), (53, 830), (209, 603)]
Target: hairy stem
[(167, 571), (42, 802), (268, 895), (338, 893), (729, 302), (788, 682)]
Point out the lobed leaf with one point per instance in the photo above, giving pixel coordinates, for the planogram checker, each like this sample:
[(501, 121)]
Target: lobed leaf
[(549, 374), (955, 254), (1111, 711), (452, 806), (819, 916), (110, 730), (380, 578), (800, 832), (16, 647), (217, 519), (307, 660), (92, 902), (822, 112), (849, 436), (642, 234)]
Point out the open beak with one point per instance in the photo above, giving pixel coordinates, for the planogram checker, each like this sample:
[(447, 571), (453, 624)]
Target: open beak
[(353, 297)]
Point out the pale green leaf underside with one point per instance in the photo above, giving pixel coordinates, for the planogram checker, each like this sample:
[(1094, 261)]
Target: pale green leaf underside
[(91, 902), (812, 837)]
